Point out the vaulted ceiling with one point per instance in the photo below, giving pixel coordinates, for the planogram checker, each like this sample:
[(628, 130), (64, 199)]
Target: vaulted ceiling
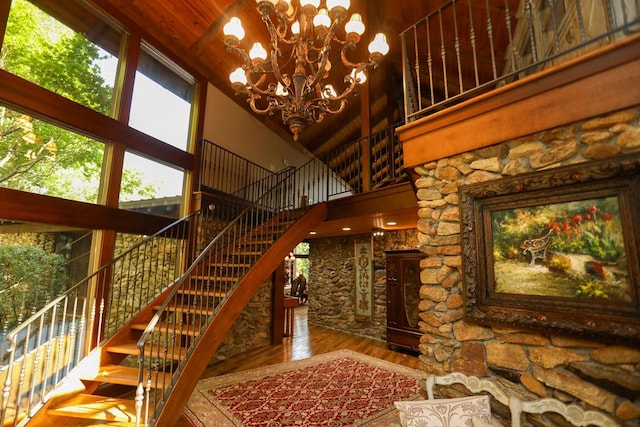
[(192, 30)]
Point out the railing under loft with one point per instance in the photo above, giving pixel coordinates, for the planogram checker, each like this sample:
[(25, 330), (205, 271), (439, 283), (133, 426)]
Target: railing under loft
[(53, 341), (455, 52), (365, 164)]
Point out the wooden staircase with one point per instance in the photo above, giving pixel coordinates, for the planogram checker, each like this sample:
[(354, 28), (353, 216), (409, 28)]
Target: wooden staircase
[(104, 390)]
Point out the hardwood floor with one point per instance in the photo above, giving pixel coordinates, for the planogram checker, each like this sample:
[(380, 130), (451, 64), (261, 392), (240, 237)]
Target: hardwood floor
[(310, 340), (307, 340)]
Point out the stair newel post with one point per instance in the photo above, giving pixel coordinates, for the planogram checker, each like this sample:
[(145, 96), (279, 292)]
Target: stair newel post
[(147, 398), (140, 398), (60, 359), (6, 390)]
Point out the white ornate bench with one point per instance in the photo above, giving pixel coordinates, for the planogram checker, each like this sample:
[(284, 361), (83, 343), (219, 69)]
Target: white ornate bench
[(575, 414)]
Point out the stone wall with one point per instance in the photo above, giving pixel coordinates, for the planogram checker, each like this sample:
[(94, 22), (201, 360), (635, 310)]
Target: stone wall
[(252, 328), (331, 283), (531, 363)]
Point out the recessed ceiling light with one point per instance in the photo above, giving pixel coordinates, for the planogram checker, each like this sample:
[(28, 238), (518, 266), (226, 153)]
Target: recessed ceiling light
[(392, 223), (346, 228), (313, 232)]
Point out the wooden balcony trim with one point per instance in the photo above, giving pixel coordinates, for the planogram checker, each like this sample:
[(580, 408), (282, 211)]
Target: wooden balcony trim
[(597, 83)]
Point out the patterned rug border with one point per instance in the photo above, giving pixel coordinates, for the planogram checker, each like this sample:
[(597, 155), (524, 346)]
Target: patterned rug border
[(199, 404)]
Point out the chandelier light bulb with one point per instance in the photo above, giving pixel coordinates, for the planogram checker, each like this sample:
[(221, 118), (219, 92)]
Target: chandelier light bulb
[(329, 92), (295, 28), (282, 6), (355, 25), (234, 28), (280, 90), (309, 7), (360, 77), (338, 3), (290, 10), (314, 3), (379, 45), (257, 52), (238, 77), (322, 19)]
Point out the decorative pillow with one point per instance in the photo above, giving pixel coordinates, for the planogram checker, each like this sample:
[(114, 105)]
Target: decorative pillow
[(458, 412), (479, 422)]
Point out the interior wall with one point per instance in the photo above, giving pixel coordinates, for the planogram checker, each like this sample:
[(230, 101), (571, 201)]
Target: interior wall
[(230, 126), (331, 284), (584, 370)]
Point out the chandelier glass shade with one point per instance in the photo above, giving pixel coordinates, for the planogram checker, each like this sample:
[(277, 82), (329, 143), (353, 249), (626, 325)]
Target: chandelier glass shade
[(292, 77)]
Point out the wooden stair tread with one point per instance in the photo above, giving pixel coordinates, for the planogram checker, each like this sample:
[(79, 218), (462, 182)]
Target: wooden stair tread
[(213, 278), (203, 293), (125, 375), (131, 348), (228, 265), (170, 328), (96, 407), (187, 310)]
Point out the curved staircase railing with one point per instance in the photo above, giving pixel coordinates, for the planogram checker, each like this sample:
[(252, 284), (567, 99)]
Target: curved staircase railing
[(213, 280), (53, 341)]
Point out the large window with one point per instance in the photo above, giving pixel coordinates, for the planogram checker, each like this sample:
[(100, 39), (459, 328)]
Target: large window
[(151, 187), (38, 262), (58, 56), (162, 97), (42, 158), (72, 50), (67, 49)]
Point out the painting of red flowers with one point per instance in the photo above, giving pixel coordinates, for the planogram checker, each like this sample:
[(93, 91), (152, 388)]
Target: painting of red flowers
[(555, 250), (573, 249)]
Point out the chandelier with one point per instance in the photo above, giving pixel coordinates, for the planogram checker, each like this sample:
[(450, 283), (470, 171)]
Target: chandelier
[(293, 76)]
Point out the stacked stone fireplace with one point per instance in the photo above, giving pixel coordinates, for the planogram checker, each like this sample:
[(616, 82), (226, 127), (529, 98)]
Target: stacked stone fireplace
[(599, 374)]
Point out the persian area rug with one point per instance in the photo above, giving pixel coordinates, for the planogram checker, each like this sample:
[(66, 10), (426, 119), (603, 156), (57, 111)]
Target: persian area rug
[(341, 388)]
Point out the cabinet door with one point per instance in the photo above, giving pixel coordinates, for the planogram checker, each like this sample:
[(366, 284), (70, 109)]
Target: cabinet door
[(411, 292), (394, 295)]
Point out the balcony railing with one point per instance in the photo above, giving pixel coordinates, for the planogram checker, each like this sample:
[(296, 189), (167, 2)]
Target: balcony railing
[(467, 47), (365, 164)]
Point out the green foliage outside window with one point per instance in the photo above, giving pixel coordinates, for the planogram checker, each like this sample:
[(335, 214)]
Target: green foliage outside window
[(29, 277), (40, 157)]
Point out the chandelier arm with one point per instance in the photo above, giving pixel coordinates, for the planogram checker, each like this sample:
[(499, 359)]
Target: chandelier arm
[(347, 63), (275, 37), (318, 108), (242, 54), (324, 53), (269, 109), (343, 103), (342, 97), (283, 23)]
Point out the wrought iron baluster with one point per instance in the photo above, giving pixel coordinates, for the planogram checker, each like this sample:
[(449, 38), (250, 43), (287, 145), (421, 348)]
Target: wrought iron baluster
[(430, 62), (514, 52), (443, 56), (472, 39), (457, 45), (530, 26), (583, 33)]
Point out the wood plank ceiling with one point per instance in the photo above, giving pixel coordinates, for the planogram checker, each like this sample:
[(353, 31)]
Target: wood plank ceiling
[(192, 30)]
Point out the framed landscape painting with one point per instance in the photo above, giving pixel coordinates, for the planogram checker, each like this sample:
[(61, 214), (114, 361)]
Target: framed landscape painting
[(556, 250)]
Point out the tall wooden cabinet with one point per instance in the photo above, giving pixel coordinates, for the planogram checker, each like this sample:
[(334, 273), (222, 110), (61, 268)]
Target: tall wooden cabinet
[(403, 297)]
